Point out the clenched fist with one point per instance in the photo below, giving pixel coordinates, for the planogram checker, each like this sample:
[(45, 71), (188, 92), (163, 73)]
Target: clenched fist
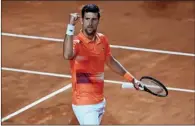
[(74, 17)]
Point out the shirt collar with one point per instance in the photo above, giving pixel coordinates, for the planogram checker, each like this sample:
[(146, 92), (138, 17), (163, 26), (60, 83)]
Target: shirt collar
[(86, 40)]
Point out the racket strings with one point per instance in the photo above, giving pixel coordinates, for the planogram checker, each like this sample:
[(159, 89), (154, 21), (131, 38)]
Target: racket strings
[(153, 86)]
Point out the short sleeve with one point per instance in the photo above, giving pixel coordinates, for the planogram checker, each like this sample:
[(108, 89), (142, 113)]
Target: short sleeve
[(108, 50), (75, 46)]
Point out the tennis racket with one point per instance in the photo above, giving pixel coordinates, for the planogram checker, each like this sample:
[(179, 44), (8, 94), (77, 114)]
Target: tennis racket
[(150, 85)]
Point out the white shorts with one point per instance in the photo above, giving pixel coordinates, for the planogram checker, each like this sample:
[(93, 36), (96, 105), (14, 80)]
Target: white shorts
[(89, 114)]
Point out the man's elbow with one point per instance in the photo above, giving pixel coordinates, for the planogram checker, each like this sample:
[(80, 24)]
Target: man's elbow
[(68, 56)]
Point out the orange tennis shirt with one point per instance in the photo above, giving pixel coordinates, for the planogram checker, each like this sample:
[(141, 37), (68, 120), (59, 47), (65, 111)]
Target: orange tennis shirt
[(87, 69)]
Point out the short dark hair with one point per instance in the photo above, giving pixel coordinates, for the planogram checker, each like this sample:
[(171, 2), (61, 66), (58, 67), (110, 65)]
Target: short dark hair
[(90, 8)]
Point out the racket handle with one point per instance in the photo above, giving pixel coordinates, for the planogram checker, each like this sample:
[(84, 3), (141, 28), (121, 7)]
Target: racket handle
[(127, 85)]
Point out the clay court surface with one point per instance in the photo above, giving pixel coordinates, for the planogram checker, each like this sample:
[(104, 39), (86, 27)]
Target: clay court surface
[(161, 26)]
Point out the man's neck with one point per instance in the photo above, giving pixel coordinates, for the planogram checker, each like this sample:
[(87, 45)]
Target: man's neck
[(91, 37)]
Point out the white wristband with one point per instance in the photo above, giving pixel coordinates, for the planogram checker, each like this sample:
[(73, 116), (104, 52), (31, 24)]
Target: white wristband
[(70, 29)]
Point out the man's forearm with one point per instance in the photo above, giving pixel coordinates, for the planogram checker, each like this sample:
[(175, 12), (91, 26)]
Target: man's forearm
[(68, 52), (68, 47), (115, 66)]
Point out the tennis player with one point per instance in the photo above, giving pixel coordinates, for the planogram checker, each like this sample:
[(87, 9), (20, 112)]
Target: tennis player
[(88, 52)]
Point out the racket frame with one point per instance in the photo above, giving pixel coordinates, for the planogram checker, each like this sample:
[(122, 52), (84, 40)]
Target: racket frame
[(159, 84)]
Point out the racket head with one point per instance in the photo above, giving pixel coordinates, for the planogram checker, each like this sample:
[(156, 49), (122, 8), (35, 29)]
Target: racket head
[(154, 86)]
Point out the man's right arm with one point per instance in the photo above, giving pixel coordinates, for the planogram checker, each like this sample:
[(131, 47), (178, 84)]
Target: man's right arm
[(68, 51), (68, 47)]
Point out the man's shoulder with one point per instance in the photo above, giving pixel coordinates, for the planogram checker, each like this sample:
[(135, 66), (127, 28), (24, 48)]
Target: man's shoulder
[(76, 40), (103, 37), (101, 34)]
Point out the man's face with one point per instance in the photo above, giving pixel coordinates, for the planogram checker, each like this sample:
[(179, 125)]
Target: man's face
[(90, 23)]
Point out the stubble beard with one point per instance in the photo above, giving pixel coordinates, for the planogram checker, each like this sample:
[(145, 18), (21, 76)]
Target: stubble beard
[(90, 33)]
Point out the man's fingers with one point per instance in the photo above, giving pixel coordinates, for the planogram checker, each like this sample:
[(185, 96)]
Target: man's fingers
[(75, 15), (78, 16), (138, 85), (74, 18)]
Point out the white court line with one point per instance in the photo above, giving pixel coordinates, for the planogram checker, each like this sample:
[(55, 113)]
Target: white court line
[(36, 102), (60, 90), (112, 46), (69, 76), (36, 72)]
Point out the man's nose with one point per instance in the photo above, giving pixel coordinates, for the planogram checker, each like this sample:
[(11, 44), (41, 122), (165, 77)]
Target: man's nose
[(90, 22)]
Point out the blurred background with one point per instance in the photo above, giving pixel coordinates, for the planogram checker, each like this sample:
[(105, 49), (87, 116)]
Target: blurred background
[(156, 25)]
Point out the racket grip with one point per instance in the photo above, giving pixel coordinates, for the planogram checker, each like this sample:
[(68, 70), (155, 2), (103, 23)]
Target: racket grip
[(127, 85)]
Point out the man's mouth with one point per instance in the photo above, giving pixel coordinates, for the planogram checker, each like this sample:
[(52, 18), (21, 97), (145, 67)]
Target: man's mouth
[(90, 29)]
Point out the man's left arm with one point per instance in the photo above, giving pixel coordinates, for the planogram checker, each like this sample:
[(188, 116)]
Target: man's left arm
[(115, 66)]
